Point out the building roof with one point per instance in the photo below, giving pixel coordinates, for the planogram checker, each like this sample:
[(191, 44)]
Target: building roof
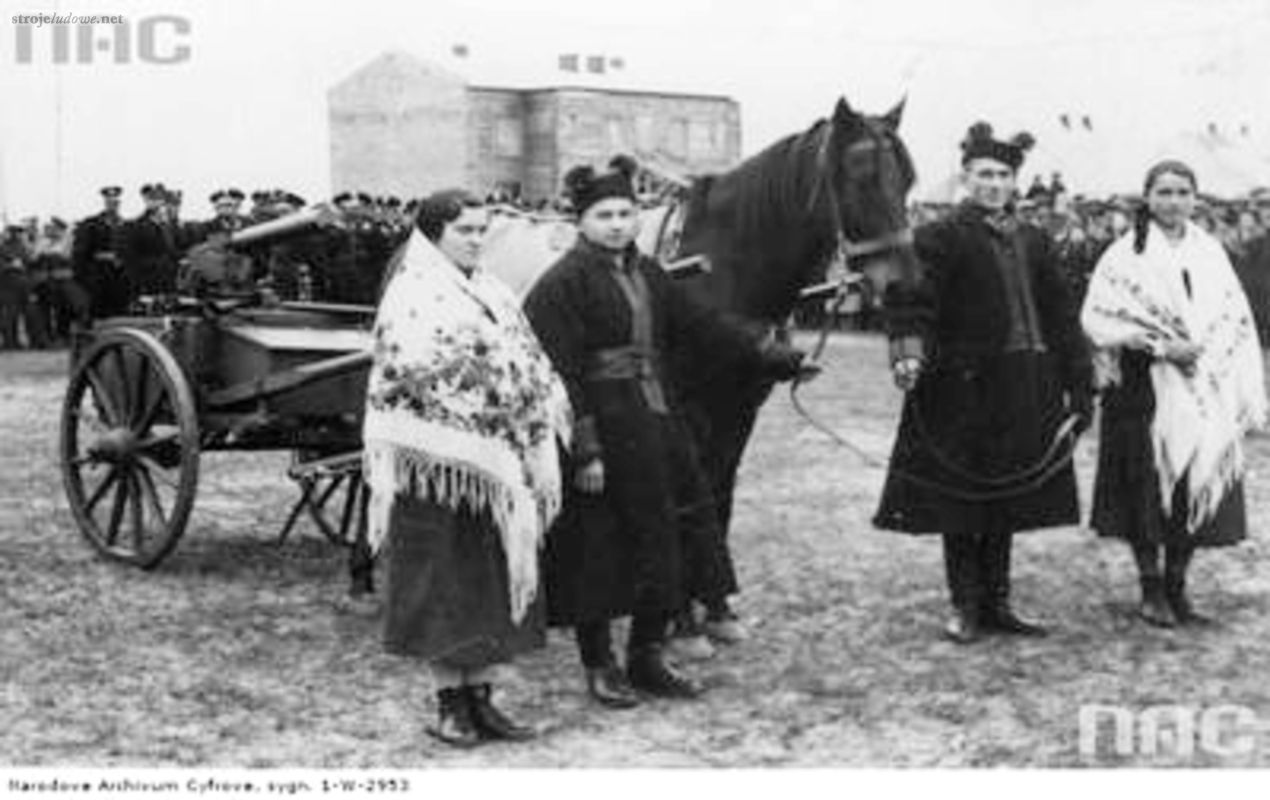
[(609, 90), (537, 72)]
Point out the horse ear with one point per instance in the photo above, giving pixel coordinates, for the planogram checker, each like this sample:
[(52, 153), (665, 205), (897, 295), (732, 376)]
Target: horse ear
[(892, 118), (843, 112)]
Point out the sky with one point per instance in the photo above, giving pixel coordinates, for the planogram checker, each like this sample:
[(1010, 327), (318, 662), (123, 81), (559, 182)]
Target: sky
[(247, 104)]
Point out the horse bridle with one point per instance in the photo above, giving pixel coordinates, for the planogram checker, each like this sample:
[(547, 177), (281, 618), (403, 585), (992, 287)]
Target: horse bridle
[(848, 248), (987, 488)]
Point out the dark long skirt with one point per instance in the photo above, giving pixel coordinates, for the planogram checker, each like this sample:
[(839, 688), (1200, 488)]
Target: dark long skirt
[(647, 543), (972, 418), (1127, 490), (447, 584)]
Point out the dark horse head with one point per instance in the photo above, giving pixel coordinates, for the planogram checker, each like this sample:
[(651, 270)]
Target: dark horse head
[(769, 228), (772, 225)]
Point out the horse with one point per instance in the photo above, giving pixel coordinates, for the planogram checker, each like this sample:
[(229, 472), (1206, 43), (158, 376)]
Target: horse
[(769, 228), (766, 229)]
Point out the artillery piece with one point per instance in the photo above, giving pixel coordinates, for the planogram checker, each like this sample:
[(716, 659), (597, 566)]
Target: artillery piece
[(222, 365)]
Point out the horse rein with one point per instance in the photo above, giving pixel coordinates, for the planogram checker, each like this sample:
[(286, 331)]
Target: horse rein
[(1057, 455)]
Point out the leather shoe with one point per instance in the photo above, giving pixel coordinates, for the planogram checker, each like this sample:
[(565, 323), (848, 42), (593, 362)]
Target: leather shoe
[(1180, 604), (609, 687), (963, 629), (1155, 608), (1003, 620), (455, 725), (1185, 613), (727, 630), (492, 723), (649, 672)]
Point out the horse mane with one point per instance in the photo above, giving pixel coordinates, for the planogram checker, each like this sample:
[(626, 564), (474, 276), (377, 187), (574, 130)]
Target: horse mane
[(768, 223), (776, 182)]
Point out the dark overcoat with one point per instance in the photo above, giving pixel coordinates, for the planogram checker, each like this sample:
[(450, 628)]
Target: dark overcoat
[(151, 255), (651, 536), (981, 413), (96, 258)]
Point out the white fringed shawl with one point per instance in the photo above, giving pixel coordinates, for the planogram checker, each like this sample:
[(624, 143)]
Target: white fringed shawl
[(464, 407), (1139, 301)]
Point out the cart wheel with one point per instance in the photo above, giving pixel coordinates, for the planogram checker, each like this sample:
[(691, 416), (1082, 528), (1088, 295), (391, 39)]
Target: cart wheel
[(130, 447)]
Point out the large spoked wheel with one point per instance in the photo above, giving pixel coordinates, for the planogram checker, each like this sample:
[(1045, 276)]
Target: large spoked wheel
[(130, 447)]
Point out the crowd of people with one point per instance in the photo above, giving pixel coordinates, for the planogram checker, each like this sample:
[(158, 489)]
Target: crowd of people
[(1082, 228), (55, 277)]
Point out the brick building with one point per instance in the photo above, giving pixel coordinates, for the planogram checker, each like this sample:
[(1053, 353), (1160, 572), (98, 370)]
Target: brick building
[(403, 126)]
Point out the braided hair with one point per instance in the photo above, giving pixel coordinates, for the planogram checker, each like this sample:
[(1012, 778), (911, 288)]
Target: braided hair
[(1142, 214)]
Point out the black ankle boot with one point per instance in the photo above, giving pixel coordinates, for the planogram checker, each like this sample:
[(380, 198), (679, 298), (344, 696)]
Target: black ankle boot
[(963, 627), (649, 672), (1000, 618), (610, 687), (1155, 608), (455, 724), (492, 723), (1178, 602)]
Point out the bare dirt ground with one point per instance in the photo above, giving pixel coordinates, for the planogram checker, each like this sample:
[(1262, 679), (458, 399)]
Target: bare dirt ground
[(239, 653)]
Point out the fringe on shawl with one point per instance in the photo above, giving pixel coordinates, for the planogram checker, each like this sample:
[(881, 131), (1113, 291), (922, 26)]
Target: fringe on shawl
[(1206, 498), (456, 484)]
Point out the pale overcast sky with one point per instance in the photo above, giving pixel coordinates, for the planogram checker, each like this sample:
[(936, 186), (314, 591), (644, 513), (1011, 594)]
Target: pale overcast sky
[(248, 107)]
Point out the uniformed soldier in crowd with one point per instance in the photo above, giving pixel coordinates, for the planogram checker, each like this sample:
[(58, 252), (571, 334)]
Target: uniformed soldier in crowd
[(993, 362), (151, 249), (227, 220), (15, 254), (96, 259), (343, 201), (61, 304), (37, 314), (261, 201), (236, 198)]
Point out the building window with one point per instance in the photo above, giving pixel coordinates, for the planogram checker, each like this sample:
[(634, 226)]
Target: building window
[(617, 135), (701, 139), (508, 137), (677, 137), (540, 122), (645, 133)]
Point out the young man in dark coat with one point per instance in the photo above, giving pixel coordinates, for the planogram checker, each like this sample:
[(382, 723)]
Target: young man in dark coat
[(638, 532), (988, 348)]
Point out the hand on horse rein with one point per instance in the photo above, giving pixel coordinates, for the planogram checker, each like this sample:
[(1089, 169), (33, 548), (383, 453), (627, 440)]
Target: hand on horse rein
[(590, 477), (785, 363), (1081, 403), (906, 371)]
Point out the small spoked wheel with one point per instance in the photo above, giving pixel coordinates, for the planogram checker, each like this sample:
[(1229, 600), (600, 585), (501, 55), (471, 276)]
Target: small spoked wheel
[(129, 447)]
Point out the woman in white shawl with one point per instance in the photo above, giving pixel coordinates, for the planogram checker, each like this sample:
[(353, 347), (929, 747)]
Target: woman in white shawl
[(464, 413), (1180, 370)]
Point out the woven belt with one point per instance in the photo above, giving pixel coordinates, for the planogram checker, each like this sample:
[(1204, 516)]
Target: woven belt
[(620, 363)]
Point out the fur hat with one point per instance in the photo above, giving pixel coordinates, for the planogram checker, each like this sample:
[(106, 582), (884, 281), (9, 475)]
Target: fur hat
[(584, 187), (980, 143)]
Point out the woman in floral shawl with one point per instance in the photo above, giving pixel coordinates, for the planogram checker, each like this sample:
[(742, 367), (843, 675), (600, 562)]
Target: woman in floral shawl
[(1181, 375), (464, 413)]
